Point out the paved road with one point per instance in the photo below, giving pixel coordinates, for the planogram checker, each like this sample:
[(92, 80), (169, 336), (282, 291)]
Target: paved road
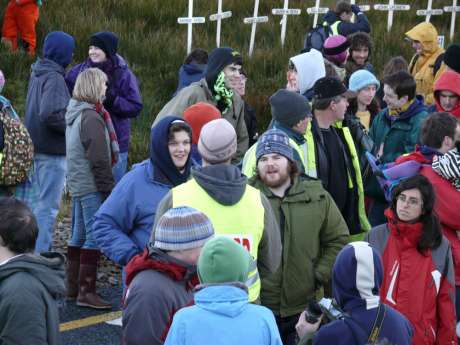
[(85, 326)]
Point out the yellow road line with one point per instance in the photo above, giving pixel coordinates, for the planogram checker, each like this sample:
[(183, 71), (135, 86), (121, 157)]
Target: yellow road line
[(89, 321)]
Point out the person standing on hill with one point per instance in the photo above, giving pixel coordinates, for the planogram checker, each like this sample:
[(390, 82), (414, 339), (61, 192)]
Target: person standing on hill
[(46, 103), (340, 22), (223, 71), (123, 98), (19, 22), (425, 65)]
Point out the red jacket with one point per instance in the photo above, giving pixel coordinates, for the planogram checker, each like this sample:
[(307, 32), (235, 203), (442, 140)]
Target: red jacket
[(449, 81), (421, 287), (447, 207)]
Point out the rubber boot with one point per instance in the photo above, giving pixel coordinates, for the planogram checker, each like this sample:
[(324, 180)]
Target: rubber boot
[(73, 267), (87, 296)]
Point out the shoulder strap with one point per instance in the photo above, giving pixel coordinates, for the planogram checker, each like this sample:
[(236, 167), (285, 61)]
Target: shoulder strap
[(374, 335), (413, 62), (375, 332)]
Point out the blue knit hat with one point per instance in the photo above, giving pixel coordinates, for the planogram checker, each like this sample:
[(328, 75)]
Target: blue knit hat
[(182, 228), (362, 78), (274, 141)]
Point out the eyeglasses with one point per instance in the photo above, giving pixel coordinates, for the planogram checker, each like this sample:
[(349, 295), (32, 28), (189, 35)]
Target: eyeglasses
[(413, 202)]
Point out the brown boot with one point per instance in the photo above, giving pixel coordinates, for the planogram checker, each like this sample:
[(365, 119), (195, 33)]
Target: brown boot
[(87, 296), (73, 266)]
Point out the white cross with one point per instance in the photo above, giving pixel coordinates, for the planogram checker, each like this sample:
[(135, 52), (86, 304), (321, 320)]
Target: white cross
[(429, 11), (391, 7), (285, 11), (316, 11), (190, 20), (218, 17), (254, 20), (454, 9)]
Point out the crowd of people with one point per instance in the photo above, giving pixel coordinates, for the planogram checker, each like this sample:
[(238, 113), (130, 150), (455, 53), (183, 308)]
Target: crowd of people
[(229, 233)]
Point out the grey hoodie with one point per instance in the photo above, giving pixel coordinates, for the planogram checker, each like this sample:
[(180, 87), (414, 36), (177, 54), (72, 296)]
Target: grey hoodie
[(225, 184), (29, 288), (88, 150)]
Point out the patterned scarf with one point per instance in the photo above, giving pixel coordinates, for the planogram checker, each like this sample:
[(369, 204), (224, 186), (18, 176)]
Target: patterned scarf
[(223, 96), (114, 148)]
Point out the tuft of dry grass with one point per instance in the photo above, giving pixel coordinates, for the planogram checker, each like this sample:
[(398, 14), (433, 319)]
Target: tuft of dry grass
[(155, 45)]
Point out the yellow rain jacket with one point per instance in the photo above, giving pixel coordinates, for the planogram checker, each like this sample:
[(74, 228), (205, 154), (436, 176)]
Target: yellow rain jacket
[(421, 66)]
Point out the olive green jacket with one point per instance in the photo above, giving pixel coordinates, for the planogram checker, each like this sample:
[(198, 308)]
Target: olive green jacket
[(312, 232)]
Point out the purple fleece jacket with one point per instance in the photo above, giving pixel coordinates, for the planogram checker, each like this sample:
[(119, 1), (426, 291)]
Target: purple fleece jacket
[(123, 99)]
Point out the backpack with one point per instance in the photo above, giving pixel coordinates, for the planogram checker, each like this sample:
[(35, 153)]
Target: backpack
[(18, 151), (436, 65), (316, 37)]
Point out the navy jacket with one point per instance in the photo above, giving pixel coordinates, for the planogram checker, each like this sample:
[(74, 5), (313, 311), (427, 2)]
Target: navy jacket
[(189, 73), (348, 28), (47, 99), (358, 296)]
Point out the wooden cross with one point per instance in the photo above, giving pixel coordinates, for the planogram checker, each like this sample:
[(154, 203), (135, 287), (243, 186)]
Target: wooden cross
[(391, 7), (190, 20), (285, 11), (254, 20), (218, 17), (429, 11), (454, 9), (316, 11)]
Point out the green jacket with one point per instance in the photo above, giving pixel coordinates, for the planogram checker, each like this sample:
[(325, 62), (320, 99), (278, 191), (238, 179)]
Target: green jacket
[(398, 136), (312, 231), (200, 92)]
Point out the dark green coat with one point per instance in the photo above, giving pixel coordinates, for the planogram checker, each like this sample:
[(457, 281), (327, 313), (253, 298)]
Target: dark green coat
[(312, 231), (398, 136)]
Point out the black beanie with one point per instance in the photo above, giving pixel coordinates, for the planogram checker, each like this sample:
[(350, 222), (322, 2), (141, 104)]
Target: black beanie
[(452, 57), (217, 61), (106, 41), (289, 107)]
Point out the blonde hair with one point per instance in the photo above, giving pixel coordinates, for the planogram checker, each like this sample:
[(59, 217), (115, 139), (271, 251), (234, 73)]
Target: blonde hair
[(89, 86)]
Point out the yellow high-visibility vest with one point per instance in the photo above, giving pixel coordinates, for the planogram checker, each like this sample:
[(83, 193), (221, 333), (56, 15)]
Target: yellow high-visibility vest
[(243, 221)]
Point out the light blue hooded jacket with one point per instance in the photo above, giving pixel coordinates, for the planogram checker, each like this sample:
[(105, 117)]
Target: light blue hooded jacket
[(222, 315)]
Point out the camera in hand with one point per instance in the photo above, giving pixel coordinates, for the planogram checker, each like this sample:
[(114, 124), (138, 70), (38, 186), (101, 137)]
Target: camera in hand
[(326, 307)]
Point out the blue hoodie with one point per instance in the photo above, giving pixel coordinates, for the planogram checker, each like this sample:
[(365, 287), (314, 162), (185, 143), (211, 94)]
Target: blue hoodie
[(189, 73), (124, 221), (222, 315), (357, 276)]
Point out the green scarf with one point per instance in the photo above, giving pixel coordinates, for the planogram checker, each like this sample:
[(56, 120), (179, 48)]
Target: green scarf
[(222, 96)]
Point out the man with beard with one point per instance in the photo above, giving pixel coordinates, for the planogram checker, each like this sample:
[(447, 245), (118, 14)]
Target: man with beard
[(312, 231), (236, 210)]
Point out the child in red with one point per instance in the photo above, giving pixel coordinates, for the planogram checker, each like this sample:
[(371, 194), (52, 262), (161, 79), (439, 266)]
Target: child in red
[(20, 19)]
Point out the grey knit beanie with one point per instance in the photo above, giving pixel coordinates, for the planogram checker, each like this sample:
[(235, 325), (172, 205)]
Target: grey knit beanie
[(182, 228), (217, 143)]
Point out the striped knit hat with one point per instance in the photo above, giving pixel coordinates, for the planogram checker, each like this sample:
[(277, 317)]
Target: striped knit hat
[(182, 228), (274, 141)]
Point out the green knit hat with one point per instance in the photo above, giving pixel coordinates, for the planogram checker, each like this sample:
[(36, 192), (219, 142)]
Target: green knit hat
[(222, 260)]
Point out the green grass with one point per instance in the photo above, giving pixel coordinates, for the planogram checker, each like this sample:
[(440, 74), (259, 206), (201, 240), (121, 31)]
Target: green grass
[(155, 45)]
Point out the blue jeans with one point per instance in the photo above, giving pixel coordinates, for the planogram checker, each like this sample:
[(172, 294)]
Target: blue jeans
[(120, 168), (83, 210), (48, 179)]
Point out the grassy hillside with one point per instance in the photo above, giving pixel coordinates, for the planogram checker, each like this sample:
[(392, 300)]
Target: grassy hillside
[(155, 45)]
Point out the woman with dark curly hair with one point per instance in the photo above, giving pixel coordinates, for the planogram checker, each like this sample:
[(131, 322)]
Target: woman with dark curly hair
[(417, 261)]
